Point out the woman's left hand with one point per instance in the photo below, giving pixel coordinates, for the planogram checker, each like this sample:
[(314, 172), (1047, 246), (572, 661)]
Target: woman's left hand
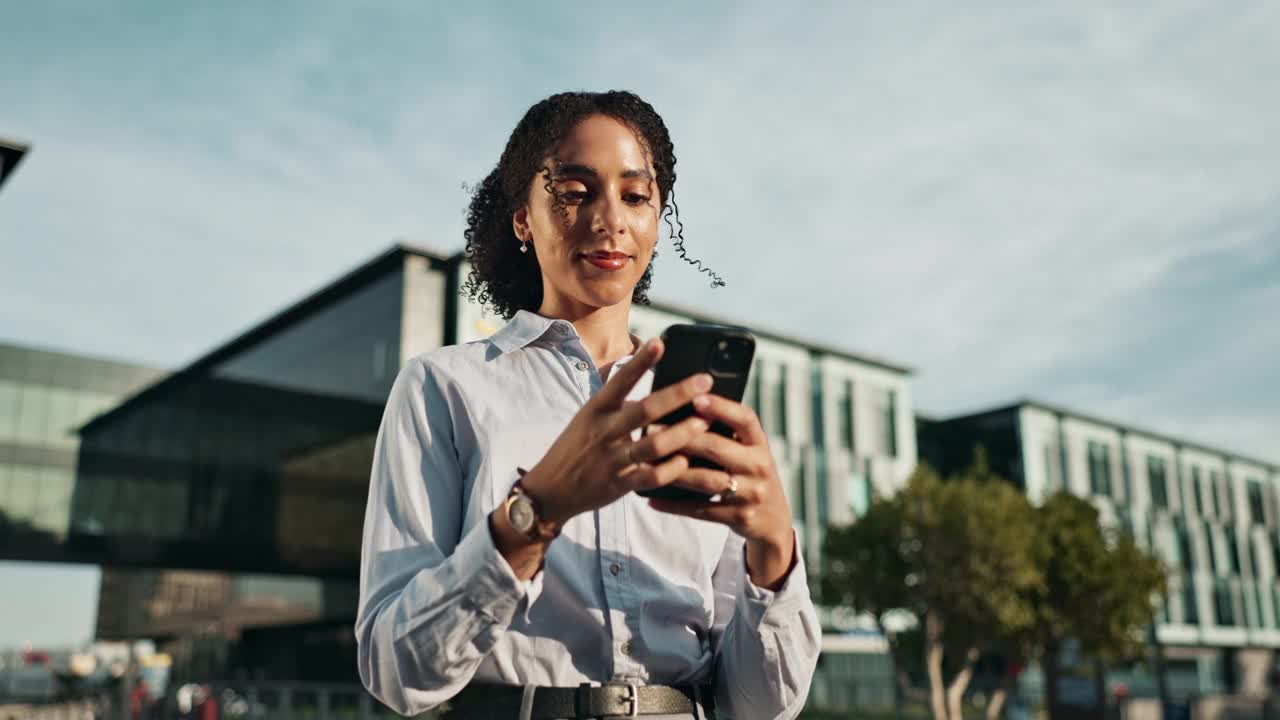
[(757, 509)]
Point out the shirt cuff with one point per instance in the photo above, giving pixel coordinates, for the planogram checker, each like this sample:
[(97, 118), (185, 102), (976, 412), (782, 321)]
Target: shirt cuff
[(759, 605), (494, 589)]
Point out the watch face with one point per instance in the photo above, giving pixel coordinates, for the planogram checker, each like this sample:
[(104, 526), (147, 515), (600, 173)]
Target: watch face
[(521, 514)]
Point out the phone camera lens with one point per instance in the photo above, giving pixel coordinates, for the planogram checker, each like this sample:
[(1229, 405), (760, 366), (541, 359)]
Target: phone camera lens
[(731, 356)]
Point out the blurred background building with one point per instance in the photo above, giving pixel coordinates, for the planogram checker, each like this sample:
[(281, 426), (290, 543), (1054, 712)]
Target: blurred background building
[(45, 397)]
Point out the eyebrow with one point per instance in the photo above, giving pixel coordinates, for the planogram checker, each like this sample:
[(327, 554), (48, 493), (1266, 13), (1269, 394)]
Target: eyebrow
[(578, 169)]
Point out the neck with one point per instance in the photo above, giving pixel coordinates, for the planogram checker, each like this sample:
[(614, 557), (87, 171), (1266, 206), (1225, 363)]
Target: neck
[(605, 331)]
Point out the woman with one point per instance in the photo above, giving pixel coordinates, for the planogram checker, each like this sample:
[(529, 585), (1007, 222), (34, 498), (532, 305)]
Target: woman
[(505, 552)]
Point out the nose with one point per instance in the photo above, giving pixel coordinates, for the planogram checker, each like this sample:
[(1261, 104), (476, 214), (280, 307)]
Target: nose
[(608, 219)]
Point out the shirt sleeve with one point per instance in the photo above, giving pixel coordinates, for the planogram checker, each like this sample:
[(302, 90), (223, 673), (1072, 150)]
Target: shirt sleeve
[(433, 600), (766, 642)]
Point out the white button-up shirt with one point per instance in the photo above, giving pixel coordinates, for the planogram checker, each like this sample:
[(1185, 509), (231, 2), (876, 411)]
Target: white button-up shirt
[(627, 593)]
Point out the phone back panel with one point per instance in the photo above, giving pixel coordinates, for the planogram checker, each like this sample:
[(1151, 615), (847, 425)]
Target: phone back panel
[(690, 349)]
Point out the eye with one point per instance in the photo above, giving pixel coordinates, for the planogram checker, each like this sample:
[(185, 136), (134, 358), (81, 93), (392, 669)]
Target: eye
[(574, 197), (635, 199)]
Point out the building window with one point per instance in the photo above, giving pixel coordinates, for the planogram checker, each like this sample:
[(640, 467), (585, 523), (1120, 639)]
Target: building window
[(1196, 503), (800, 501), (1126, 521), (891, 424), (1126, 479), (1051, 480), (1233, 548), (1229, 511), (1185, 556), (1256, 512), (858, 491), (1224, 610), (1158, 481), (885, 412), (1208, 546), (1214, 491), (780, 403), (1190, 609), (1275, 555), (846, 416), (756, 394), (1099, 468)]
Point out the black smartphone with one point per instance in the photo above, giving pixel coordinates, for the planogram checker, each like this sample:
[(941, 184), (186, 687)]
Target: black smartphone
[(723, 351)]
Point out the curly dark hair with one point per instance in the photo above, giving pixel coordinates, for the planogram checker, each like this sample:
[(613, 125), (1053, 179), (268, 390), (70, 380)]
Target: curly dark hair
[(508, 280)]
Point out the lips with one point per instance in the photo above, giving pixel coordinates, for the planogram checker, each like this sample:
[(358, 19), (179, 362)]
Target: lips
[(607, 260)]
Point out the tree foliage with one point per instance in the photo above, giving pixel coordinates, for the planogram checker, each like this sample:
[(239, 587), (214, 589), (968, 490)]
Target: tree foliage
[(1099, 588), (957, 554), (984, 571)]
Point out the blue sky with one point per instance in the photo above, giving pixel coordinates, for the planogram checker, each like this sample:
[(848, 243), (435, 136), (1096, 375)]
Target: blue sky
[(1076, 203)]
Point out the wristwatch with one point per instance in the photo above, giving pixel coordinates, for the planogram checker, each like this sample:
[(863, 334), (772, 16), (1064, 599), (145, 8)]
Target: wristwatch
[(525, 515)]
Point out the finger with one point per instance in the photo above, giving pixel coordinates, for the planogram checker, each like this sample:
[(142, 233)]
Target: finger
[(649, 477), (623, 378), (715, 482), (739, 417), (654, 448), (656, 405), (662, 443), (725, 514), (729, 454)]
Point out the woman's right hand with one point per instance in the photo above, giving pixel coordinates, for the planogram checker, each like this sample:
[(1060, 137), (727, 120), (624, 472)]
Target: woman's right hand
[(595, 461)]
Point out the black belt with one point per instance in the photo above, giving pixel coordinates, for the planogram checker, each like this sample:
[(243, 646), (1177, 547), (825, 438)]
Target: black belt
[(480, 701)]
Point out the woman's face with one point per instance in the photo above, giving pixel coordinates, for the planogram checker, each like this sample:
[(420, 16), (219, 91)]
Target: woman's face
[(594, 237)]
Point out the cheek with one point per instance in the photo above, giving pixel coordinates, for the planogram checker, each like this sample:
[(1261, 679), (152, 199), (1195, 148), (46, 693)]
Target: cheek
[(551, 223), (645, 227), (651, 238)]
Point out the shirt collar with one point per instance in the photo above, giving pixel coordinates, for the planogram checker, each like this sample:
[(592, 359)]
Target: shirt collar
[(525, 327)]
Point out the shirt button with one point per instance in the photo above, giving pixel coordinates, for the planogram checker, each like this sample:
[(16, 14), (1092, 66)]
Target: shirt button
[(582, 366), (615, 568), (626, 648)]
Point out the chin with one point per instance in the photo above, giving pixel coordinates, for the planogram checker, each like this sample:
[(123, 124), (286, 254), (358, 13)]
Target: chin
[(614, 294)]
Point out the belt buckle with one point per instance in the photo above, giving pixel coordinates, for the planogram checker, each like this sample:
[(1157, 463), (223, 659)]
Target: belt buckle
[(633, 696)]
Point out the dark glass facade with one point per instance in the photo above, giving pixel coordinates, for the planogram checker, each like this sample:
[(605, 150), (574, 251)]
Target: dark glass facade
[(256, 458), (44, 397)]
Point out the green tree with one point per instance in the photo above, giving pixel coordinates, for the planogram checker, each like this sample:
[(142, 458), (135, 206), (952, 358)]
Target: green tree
[(1099, 589), (958, 554)]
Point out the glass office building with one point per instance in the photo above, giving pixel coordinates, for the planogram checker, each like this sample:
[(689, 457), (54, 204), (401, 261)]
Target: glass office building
[(44, 397), (256, 457)]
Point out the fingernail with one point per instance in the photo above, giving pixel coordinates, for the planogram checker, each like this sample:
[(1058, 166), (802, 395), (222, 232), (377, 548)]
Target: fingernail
[(701, 402), (700, 424), (702, 382)]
